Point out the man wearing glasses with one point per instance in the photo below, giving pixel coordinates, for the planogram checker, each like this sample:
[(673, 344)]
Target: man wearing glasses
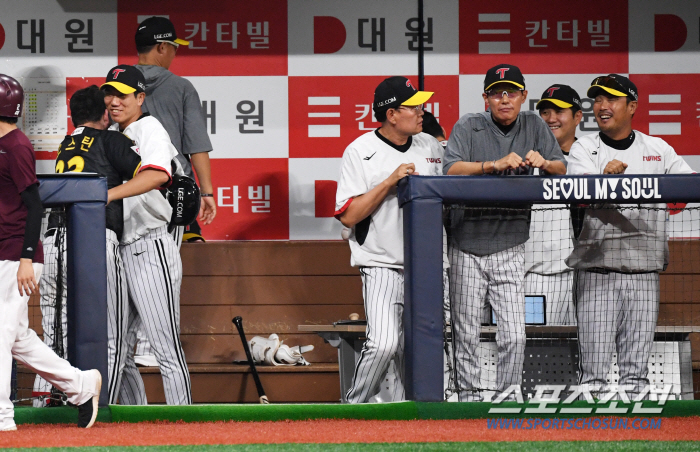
[(619, 253), (366, 202), (486, 247)]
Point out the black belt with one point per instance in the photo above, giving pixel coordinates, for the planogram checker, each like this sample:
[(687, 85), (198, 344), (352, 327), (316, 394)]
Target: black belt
[(606, 271)]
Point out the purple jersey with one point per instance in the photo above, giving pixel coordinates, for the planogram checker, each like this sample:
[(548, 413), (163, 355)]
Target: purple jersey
[(17, 173)]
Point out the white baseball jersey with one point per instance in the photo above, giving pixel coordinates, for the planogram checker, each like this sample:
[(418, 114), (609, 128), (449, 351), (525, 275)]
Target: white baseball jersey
[(550, 239), (149, 211), (367, 162), (631, 240)]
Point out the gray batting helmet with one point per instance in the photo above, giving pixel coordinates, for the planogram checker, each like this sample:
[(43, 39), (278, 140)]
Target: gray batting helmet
[(11, 97), (184, 197)]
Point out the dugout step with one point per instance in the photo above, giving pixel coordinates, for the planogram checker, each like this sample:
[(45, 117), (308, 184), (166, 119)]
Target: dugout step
[(545, 362), (233, 383)]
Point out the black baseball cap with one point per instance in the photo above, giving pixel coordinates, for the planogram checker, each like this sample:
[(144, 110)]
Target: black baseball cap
[(615, 84), (504, 73), (395, 91), (157, 29), (126, 79), (561, 96)]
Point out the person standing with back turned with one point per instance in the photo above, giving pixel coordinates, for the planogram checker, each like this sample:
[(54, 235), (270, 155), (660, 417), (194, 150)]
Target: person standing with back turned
[(174, 102)]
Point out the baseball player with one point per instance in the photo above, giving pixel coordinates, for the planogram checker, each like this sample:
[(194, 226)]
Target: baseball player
[(619, 253), (151, 258), (366, 201), (550, 242), (92, 148), (486, 249), (174, 102), (21, 258)]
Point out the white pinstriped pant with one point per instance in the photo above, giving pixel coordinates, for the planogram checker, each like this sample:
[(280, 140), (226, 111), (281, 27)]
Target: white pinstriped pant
[(117, 310), (143, 347), (474, 281), (616, 311), (382, 289), (154, 274)]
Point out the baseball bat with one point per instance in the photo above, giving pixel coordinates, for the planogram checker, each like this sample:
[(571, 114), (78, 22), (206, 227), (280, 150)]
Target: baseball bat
[(238, 321)]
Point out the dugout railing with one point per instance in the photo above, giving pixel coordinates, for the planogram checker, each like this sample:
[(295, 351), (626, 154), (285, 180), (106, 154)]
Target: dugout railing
[(84, 197), (422, 199)]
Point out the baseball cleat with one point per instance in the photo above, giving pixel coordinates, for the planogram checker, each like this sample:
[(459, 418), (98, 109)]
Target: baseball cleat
[(87, 412)]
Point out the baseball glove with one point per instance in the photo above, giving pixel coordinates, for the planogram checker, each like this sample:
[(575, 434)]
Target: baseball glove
[(273, 352)]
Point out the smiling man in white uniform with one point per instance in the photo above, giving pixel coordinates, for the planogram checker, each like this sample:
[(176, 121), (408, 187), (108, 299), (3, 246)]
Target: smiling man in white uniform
[(619, 253)]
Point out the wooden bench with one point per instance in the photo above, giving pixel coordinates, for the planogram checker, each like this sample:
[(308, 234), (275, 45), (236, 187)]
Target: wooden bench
[(273, 286)]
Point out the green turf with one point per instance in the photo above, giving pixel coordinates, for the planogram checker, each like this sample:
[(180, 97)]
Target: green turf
[(55, 415), (569, 446), (276, 412), (257, 412)]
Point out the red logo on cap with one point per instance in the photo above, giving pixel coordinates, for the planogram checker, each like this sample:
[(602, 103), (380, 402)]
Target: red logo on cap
[(502, 72), (550, 91), (408, 84), (116, 72)]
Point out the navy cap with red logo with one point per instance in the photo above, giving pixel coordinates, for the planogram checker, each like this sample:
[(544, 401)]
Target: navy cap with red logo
[(561, 96), (504, 73), (157, 29), (125, 79), (395, 91)]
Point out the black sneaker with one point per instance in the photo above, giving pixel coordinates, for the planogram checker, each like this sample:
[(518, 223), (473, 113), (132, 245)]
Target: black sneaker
[(87, 412)]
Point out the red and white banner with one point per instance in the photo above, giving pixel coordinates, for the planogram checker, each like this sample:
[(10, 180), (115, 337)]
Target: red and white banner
[(545, 37), (287, 85), (669, 108), (252, 197), (327, 113), (366, 37), (236, 37), (664, 37)]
